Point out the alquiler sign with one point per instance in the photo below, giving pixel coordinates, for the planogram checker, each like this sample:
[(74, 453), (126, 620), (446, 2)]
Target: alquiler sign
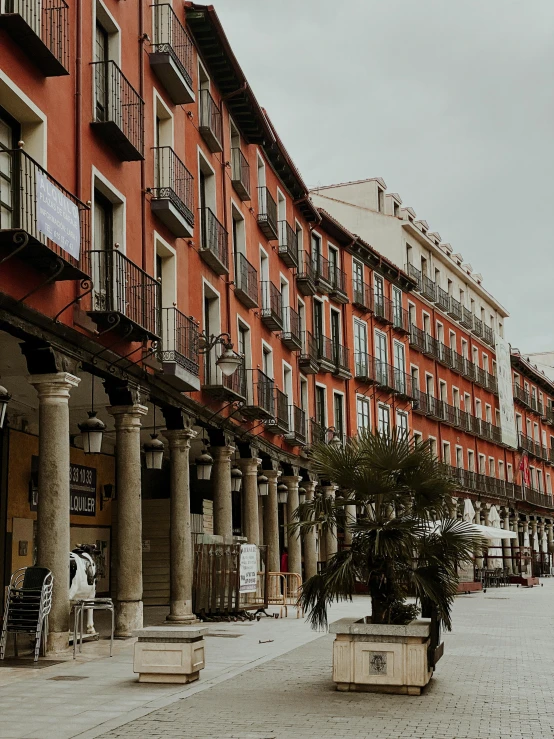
[(82, 489)]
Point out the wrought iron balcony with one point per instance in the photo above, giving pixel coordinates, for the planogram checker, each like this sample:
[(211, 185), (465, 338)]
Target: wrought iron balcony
[(41, 30), (480, 377), (118, 112), (477, 326), (492, 383), (362, 296), (549, 414), (218, 385), (41, 222), (429, 289), (364, 367), (483, 484), (172, 55), (341, 360), (469, 370), (288, 244), (124, 295), (306, 274), (318, 433), (475, 425), (449, 413), (173, 196), (455, 310), (179, 353), (442, 299), (458, 362), (465, 421), (415, 274), (325, 353), (267, 214), (280, 421), (443, 354), (322, 270), (214, 248), (424, 403), (291, 334), (488, 335), (417, 338), (260, 391), (400, 319), (337, 279), (246, 281), (272, 306), (211, 126), (382, 309), (297, 425), (240, 173), (308, 360), (522, 396), (402, 384), (467, 318), (534, 448)]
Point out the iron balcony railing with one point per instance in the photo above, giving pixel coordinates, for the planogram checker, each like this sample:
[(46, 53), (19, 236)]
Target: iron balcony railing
[(288, 244), (449, 413), (415, 274), (480, 377), (551, 455), (444, 354), (297, 423), (467, 318), (41, 29), (465, 421), (488, 335), (322, 271), (443, 299), (267, 214), (325, 350), (549, 414), (425, 403), (308, 359), (341, 356), (224, 386), (522, 395), (458, 362), (477, 326), (400, 319), (260, 402), (337, 279), (214, 242), (240, 173), (281, 410), (317, 432), (272, 306), (180, 339), (403, 383), (455, 309), (535, 448), (306, 274), (485, 484), (118, 111), (382, 309), (469, 370), (362, 295), (429, 289), (492, 383), (121, 287), (211, 126), (56, 223), (246, 281), (417, 338), (173, 182), (291, 335), (170, 37)]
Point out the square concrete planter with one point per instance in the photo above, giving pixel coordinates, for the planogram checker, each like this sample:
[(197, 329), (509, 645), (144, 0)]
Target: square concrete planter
[(169, 654), (381, 658)]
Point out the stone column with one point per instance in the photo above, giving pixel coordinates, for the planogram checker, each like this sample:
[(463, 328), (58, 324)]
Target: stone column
[(128, 610), (516, 562), (53, 544), (479, 561), (180, 537), (271, 522), (331, 543), (506, 549), (528, 548), (250, 516), (294, 545), (309, 542), (221, 486), (350, 514)]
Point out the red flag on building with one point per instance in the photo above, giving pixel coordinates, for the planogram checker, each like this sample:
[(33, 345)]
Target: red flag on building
[(525, 471)]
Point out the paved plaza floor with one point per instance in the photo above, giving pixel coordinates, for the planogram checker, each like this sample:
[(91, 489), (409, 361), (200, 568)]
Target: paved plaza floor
[(496, 681)]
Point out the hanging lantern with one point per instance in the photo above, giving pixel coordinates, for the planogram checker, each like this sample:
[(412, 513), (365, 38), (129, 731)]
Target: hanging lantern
[(301, 495), (228, 361), (154, 453), (236, 479), (335, 441), (204, 464), (92, 431), (263, 484), (5, 398), (282, 493)]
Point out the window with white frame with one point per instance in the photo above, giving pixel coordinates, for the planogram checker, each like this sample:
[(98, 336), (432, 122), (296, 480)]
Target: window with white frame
[(402, 424), (383, 420), (471, 460), (362, 409), (446, 452), (459, 457), (492, 470), (509, 472)]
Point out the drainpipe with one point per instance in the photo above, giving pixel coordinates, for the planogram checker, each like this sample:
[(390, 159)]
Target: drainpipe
[(142, 39), (225, 221), (78, 99)]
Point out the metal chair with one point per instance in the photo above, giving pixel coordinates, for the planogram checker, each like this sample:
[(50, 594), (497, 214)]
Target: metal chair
[(28, 603), (94, 604)]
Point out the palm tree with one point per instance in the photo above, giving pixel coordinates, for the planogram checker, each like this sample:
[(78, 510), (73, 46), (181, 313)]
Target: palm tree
[(404, 539)]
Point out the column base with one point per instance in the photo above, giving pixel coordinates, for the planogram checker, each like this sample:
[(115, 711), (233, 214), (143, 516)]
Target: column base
[(58, 642), (128, 617), (182, 619)]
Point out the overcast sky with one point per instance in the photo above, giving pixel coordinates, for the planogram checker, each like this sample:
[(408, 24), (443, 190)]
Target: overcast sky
[(450, 101)]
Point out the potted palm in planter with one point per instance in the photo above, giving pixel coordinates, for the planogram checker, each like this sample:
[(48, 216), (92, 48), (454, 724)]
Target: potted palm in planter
[(406, 545)]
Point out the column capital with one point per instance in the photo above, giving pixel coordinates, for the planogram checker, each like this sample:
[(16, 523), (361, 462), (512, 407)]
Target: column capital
[(249, 465), (291, 480), (329, 489), (222, 453), (179, 438), (127, 416), (272, 474), (54, 384), (309, 486)]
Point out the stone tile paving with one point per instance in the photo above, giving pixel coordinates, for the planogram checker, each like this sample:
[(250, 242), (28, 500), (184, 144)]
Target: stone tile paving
[(496, 681)]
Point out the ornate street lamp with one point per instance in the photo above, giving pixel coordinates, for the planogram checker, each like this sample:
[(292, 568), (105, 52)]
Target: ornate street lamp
[(282, 493), (154, 450), (236, 479), (301, 495), (92, 430), (229, 360), (204, 463), (335, 440), (263, 484)]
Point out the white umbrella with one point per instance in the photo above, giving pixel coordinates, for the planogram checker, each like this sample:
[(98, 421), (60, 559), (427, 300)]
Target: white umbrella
[(469, 511), (536, 546), (496, 544)]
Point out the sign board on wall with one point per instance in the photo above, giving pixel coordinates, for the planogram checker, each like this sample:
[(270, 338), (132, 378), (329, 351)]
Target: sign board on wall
[(82, 488), (57, 216), (248, 569), (505, 392)]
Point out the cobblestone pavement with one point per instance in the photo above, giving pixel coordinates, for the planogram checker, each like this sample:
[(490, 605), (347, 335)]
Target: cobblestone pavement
[(495, 681)]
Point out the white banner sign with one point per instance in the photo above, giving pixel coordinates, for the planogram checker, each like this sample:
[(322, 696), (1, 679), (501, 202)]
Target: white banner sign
[(505, 392), (57, 216), (248, 569)]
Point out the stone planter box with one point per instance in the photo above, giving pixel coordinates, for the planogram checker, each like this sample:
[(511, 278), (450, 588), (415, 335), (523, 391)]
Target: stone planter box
[(169, 654), (381, 658)]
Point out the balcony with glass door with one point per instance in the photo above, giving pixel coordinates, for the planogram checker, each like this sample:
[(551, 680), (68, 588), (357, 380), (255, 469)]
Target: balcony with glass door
[(297, 425), (362, 296), (325, 353), (118, 112), (172, 54), (288, 244), (291, 334), (211, 125), (488, 335), (179, 354), (41, 223), (225, 388), (306, 274), (267, 214), (41, 30), (455, 310), (341, 357), (260, 391), (428, 289), (240, 173), (382, 309), (442, 299), (322, 271), (308, 359), (400, 319), (214, 247), (338, 284), (172, 197), (272, 306), (246, 281), (467, 318), (279, 424)]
